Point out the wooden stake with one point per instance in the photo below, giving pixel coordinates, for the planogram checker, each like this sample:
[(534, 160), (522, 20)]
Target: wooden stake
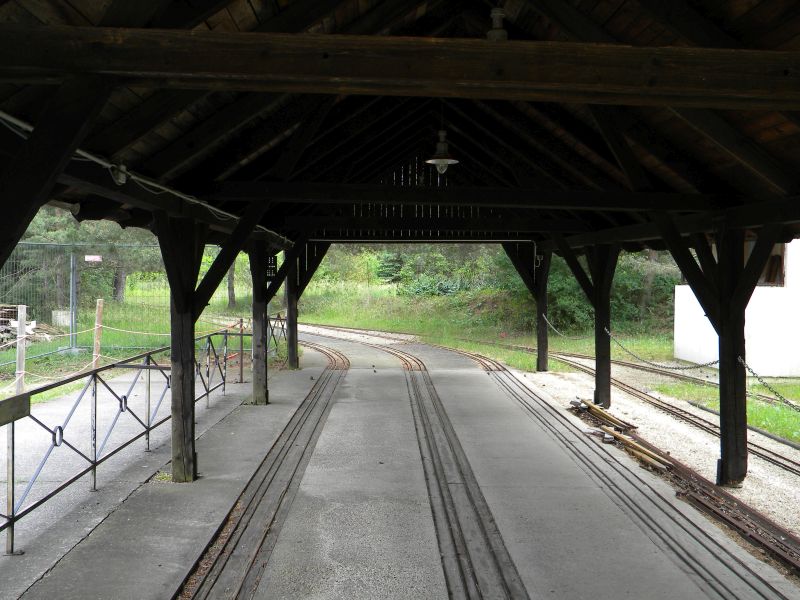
[(98, 333)]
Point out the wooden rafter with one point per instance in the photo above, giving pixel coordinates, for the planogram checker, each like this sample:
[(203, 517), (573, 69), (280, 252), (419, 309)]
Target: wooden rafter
[(549, 71)]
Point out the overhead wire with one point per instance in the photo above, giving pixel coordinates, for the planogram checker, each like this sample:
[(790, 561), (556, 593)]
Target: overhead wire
[(22, 129)]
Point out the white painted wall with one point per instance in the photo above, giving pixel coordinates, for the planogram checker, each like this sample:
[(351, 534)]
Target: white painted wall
[(772, 324)]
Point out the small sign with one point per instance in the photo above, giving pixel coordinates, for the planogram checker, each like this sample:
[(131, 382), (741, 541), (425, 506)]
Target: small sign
[(93, 258), (15, 408)]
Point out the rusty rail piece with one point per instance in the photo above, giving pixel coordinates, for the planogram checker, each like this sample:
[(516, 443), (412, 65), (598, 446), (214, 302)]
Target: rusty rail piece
[(775, 458), (234, 562)]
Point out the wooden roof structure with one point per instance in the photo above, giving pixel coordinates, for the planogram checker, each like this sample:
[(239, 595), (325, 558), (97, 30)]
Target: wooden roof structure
[(276, 124), (592, 117)]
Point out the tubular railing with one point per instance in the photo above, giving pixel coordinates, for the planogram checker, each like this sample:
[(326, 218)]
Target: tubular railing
[(109, 402)]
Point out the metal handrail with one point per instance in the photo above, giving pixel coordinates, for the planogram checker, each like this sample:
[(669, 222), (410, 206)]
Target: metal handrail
[(210, 361)]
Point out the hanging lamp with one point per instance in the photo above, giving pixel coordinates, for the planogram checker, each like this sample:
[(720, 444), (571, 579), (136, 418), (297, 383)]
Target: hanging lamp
[(442, 159)]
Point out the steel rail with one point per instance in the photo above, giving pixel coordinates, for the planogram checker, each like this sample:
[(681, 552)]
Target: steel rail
[(233, 563)]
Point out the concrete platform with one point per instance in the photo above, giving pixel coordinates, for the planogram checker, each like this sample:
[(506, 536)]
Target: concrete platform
[(579, 520), (133, 539)]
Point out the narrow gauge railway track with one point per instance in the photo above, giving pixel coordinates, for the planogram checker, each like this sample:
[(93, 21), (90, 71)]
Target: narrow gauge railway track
[(749, 523), (234, 563), (632, 365), (772, 457), (475, 560)]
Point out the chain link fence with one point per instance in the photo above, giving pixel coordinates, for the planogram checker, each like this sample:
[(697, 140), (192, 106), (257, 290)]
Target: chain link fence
[(60, 285)]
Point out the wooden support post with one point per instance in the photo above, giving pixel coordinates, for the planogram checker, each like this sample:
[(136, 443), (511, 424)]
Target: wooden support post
[(292, 296), (602, 260), (523, 257), (98, 333), (258, 254), (602, 264), (723, 288), (542, 274), (732, 465), (182, 242)]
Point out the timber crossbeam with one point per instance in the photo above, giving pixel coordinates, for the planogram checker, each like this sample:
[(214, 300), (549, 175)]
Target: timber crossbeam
[(397, 66)]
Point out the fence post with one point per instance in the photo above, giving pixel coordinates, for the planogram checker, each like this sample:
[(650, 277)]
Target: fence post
[(73, 300), (147, 402), (224, 360), (20, 387), (98, 333), (241, 350)]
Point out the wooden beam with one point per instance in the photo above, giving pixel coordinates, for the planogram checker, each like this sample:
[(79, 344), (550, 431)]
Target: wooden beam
[(577, 269), (542, 275), (732, 465), (767, 238), (522, 257), (609, 125), (94, 180), (227, 254), (124, 13), (703, 286), (314, 254), (493, 223), (258, 252), (737, 145), (578, 25), (467, 68), (328, 193), (29, 176), (176, 157), (188, 15), (289, 257), (301, 138), (602, 264), (181, 242)]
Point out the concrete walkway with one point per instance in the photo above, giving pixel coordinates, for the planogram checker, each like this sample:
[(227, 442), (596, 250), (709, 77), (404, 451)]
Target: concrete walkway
[(578, 519), (104, 544)]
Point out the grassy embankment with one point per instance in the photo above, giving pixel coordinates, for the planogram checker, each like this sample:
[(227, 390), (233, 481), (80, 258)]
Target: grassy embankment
[(143, 319), (470, 320)]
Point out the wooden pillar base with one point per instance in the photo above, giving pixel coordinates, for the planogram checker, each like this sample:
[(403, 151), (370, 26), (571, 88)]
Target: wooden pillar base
[(182, 381), (258, 270), (541, 275), (292, 354)]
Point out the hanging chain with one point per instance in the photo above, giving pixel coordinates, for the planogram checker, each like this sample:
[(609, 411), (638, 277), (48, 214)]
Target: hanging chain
[(778, 396), (569, 337), (657, 365)]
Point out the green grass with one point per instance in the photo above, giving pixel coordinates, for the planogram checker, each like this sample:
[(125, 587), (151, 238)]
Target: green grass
[(473, 321), (448, 320), (775, 418)]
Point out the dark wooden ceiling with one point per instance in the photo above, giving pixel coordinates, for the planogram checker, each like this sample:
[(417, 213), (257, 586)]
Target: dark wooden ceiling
[(703, 130)]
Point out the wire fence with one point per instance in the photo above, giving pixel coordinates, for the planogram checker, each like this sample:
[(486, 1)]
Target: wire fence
[(60, 284)]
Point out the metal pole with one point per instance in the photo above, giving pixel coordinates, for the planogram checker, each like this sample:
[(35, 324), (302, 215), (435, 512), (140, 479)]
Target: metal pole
[(241, 350), (208, 371), (147, 402), (93, 433), (73, 300), (20, 387), (224, 361)]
